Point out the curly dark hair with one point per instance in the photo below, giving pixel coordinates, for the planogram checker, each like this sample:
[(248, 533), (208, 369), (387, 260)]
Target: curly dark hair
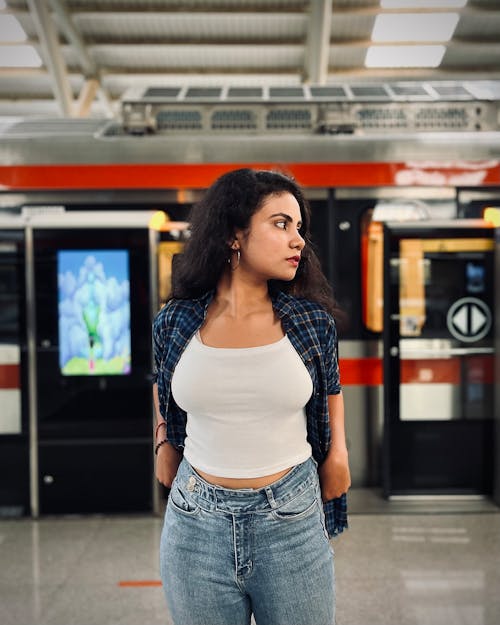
[(227, 206)]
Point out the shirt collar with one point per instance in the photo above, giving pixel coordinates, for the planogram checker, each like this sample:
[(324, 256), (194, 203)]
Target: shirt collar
[(282, 303)]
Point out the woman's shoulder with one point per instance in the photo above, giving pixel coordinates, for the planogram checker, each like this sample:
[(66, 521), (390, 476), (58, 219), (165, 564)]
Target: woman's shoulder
[(309, 309), (170, 310), (178, 310)]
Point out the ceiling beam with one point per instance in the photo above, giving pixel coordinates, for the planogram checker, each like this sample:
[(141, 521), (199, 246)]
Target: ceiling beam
[(53, 57), (89, 67), (93, 83), (318, 42), (86, 97)]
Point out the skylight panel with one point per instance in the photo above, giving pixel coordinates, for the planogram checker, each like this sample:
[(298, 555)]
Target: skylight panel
[(404, 56), (19, 56), (11, 32), (11, 29), (414, 26), (422, 4)]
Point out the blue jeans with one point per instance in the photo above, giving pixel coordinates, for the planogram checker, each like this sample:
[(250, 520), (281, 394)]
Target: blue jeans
[(226, 554)]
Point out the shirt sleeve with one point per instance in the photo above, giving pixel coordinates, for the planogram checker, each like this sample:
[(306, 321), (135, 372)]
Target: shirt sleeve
[(331, 360), (158, 343)]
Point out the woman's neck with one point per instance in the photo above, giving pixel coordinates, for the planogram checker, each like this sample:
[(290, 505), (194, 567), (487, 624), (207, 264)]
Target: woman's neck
[(240, 297)]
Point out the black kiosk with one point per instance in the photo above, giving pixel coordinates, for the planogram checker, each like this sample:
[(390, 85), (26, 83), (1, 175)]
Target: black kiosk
[(92, 343)]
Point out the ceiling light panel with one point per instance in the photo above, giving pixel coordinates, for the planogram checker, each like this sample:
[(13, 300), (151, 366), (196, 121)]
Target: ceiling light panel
[(19, 56), (414, 26), (11, 29), (422, 4), (404, 56)]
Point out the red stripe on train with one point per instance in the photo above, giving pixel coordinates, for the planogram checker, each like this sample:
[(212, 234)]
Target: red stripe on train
[(368, 372), (10, 376), (465, 370), (200, 176)]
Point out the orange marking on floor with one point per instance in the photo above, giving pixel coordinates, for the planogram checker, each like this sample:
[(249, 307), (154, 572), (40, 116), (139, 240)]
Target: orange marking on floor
[(139, 583)]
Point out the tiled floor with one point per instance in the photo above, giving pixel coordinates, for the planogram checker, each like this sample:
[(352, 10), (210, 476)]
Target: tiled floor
[(436, 566)]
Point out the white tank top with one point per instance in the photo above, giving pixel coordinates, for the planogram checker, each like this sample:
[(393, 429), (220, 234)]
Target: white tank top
[(245, 408)]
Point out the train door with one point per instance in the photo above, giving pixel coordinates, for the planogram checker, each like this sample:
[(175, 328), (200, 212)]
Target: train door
[(438, 358), (355, 251), (92, 408), (496, 474)]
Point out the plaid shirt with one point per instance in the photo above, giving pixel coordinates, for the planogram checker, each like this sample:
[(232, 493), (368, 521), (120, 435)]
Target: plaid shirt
[(312, 332)]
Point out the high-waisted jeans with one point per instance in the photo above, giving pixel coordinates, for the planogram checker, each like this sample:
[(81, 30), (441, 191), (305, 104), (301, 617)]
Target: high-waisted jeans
[(226, 554)]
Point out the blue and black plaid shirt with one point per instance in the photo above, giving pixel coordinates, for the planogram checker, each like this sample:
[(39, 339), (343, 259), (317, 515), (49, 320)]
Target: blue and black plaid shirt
[(312, 332)]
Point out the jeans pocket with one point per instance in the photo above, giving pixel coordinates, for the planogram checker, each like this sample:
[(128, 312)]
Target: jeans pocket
[(300, 506), (182, 502)]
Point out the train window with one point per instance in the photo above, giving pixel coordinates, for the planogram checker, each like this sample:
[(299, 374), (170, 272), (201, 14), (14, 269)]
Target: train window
[(445, 325), (9, 298), (372, 271)]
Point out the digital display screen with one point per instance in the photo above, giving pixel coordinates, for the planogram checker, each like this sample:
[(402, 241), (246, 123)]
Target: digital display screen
[(94, 312)]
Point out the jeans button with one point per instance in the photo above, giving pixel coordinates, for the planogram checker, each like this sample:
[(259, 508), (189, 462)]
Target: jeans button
[(191, 483)]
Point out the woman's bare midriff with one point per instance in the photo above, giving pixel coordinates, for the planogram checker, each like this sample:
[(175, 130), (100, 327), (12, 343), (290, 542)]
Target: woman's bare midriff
[(235, 483)]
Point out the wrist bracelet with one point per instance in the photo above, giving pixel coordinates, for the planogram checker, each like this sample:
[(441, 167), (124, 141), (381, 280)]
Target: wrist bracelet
[(159, 426), (158, 445)]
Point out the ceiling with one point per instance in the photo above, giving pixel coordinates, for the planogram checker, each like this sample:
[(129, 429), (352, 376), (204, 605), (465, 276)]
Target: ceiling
[(93, 52)]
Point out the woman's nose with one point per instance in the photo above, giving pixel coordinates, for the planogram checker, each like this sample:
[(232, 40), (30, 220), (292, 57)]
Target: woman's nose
[(297, 241)]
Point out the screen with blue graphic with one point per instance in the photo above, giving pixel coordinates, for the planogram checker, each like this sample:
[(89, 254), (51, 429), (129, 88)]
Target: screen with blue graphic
[(94, 312)]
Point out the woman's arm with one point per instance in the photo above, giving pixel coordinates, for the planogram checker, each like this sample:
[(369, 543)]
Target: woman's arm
[(334, 474), (167, 458)]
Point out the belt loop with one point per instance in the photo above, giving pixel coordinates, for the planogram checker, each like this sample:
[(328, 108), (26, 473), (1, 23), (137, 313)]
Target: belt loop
[(270, 496)]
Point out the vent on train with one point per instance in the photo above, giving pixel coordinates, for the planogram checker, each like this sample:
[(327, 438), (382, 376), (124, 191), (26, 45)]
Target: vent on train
[(179, 119), (162, 92), (288, 119), (244, 92), (369, 92), (410, 90), (456, 118), (286, 92), (369, 118), (337, 93), (451, 91), (203, 92), (234, 119), (62, 126), (402, 106)]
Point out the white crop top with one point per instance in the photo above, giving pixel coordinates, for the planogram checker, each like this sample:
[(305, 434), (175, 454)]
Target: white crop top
[(245, 408)]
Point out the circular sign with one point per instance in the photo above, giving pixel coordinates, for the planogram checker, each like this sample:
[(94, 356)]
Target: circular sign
[(469, 319)]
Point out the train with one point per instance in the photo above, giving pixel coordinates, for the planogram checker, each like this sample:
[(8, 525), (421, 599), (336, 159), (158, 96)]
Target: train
[(398, 177)]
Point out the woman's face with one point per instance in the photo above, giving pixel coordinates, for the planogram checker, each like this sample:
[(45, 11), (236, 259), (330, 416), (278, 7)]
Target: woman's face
[(271, 247)]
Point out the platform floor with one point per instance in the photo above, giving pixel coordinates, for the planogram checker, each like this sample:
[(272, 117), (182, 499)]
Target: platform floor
[(400, 563)]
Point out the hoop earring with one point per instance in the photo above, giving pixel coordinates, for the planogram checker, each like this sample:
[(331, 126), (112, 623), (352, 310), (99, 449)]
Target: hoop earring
[(230, 259)]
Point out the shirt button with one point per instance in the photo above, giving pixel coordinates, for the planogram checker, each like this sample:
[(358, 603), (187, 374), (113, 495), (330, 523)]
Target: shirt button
[(191, 483)]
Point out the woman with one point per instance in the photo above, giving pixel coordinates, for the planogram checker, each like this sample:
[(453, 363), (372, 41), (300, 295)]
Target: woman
[(250, 434)]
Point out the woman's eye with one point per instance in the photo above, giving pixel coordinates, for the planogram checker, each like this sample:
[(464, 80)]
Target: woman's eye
[(281, 224)]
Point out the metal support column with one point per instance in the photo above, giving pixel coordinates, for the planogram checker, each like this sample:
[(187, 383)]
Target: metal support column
[(32, 372)]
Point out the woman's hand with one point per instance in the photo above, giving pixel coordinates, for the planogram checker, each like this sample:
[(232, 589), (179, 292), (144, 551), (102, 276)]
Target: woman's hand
[(334, 474), (168, 460)]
